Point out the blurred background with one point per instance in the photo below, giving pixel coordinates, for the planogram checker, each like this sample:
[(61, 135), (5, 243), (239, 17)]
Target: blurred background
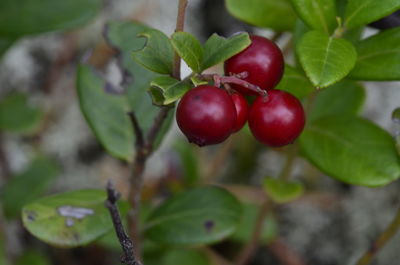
[(332, 224)]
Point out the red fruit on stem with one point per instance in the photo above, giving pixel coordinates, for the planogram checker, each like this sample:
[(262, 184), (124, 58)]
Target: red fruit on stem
[(262, 60), (277, 119), (206, 115), (242, 109)]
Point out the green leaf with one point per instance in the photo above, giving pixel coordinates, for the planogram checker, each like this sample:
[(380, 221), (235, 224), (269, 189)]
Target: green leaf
[(189, 49), (295, 83), (167, 90), (362, 12), (18, 18), (218, 49), (282, 191), (277, 15), (157, 54), (325, 59), (17, 114), (196, 217), (121, 35), (68, 219), (190, 162), (317, 14), (28, 185), (352, 150), (33, 257), (5, 43), (343, 98), (185, 256), (245, 229), (106, 114), (378, 57)]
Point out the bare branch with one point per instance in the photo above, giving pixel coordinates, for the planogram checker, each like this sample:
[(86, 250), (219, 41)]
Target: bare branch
[(137, 129), (128, 257)]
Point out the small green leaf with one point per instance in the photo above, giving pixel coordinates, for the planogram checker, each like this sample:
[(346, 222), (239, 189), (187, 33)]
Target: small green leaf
[(166, 90), (343, 98), (282, 191), (218, 49), (33, 257), (68, 219), (245, 229), (18, 18), (317, 14), (378, 57), (362, 12), (352, 150), (189, 49), (121, 35), (196, 217), (28, 185), (325, 59), (198, 81), (18, 115), (295, 83), (157, 54), (274, 14), (185, 256), (106, 114)]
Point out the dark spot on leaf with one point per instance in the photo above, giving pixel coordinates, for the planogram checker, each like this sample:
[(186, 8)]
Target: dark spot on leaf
[(208, 225), (76, 236), (31, 215)]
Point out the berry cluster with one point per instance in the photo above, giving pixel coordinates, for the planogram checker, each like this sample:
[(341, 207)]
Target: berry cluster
[(208, 114)]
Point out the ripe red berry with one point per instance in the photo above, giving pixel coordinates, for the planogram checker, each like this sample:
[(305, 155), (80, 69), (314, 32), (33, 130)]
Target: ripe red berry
[(241, 107), (277, 119), (262, 60), (206, 115)]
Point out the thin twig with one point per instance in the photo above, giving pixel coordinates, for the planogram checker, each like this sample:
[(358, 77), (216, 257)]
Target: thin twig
[(246, 254), (381, 241), (137, 129), (180, 23), (142, 153), (291, 154), (126, 243), (158, 122), (284, 253)]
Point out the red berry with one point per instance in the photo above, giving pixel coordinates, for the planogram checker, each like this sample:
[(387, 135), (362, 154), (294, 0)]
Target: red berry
[(241, 107), (277, 119), (262, 60), (206, 115)]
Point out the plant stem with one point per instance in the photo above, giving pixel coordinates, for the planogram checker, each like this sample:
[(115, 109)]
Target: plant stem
[(284, 253), (246, 254), (126, 243), (145, 146), (291, 154), (381, 241)]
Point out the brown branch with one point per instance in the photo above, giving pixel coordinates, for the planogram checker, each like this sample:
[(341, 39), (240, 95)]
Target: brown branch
[(180, 23), (138, 131), (146, 148), (284, 253), (381, 241), (246, 254), (126, 243)]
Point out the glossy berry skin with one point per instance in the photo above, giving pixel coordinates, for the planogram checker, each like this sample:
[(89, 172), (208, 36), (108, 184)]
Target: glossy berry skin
[(262, 60), (242, 110), (276, 120), (206, 115)]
